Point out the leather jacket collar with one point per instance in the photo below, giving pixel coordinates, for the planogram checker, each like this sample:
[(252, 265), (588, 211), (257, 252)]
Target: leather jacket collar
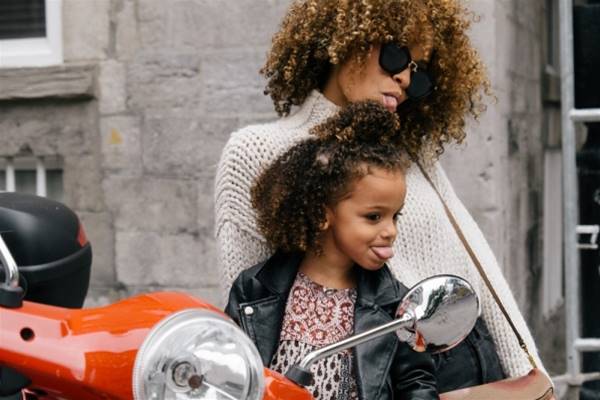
[(373, 287)]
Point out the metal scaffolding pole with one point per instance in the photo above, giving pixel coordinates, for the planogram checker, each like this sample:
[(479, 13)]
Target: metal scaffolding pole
[(570, 197)]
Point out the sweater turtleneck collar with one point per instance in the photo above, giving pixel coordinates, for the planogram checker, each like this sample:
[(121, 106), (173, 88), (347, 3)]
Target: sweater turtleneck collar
[(315, 109)]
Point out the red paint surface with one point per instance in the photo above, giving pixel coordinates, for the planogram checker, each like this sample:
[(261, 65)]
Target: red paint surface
[(89, 354), (84, 354)]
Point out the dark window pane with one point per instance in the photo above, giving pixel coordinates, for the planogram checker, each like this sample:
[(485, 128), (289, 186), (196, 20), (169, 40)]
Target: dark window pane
[(20, 19)]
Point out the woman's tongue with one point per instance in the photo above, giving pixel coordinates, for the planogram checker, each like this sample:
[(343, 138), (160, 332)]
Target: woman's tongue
[(383, 252), (390, 102)]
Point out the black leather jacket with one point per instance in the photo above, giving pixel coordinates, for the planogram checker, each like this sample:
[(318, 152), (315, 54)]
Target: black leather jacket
[(473, 362), (386, 369)]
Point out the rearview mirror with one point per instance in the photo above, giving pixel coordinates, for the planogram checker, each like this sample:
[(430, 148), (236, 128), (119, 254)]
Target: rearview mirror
[(444, 309)]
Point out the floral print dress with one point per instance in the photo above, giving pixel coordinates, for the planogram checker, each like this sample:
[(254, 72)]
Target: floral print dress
[(316, 316)]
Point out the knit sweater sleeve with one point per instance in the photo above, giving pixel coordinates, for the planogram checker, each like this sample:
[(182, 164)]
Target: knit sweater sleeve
[(239, 244), (514, 360)]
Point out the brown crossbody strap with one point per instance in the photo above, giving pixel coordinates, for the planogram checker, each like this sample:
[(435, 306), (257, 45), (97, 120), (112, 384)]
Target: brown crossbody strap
[(461, 235)]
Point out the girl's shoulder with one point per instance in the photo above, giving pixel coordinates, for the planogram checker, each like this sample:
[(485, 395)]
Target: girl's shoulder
[(245, 286)]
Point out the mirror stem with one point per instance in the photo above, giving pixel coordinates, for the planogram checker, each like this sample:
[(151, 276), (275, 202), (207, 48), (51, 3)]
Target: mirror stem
[(300, 373), (355, 340)]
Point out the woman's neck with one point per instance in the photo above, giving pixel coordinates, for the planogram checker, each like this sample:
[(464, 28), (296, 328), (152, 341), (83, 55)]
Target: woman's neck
[(327, 271), (332, 90)]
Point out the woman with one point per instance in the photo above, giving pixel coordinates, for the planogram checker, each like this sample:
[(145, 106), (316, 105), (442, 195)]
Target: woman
[(414, 57)]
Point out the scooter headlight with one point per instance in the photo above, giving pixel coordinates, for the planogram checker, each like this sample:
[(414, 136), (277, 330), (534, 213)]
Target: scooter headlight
[(197, 354)]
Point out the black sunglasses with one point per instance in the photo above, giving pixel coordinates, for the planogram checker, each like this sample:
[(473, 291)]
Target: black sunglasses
[(394, 59)]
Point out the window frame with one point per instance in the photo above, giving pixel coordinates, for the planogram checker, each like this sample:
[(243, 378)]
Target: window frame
[(37, 52)]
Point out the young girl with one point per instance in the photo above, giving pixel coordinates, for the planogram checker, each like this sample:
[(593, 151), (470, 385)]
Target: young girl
[(328, 209)]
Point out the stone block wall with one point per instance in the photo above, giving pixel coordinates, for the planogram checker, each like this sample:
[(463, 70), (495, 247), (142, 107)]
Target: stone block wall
[(175, 78)]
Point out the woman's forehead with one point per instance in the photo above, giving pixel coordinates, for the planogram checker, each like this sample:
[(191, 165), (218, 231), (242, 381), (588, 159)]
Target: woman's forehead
[(420, 51)]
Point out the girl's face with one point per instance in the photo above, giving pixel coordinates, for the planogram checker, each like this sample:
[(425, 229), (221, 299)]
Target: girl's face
[(361, 227), (350, 82)]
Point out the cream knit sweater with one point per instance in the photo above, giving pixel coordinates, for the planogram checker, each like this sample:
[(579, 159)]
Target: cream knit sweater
[(426, 243)]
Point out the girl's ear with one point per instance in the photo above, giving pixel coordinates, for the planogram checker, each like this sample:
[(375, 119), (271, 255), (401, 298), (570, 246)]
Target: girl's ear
[(328, 216)]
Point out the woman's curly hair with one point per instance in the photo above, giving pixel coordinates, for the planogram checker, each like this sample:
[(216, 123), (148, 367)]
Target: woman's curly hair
[(316, 34), (291, 196)]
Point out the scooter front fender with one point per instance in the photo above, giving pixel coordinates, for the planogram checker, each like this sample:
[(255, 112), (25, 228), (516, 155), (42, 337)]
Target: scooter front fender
[(85, 353)]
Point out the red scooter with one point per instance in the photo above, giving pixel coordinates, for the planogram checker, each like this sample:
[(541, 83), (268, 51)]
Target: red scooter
[(163, 345)]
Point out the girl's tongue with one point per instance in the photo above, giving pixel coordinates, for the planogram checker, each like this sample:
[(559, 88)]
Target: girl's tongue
[(383, 252)]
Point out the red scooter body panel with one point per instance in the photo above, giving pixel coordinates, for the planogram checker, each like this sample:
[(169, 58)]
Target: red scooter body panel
[(89, 354)]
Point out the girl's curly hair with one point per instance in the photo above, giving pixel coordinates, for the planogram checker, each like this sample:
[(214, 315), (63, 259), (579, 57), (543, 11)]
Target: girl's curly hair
[(290, 197), (317, 34)]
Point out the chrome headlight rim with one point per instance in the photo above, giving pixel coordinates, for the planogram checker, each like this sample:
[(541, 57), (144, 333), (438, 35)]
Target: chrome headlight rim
[(160, 333)]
